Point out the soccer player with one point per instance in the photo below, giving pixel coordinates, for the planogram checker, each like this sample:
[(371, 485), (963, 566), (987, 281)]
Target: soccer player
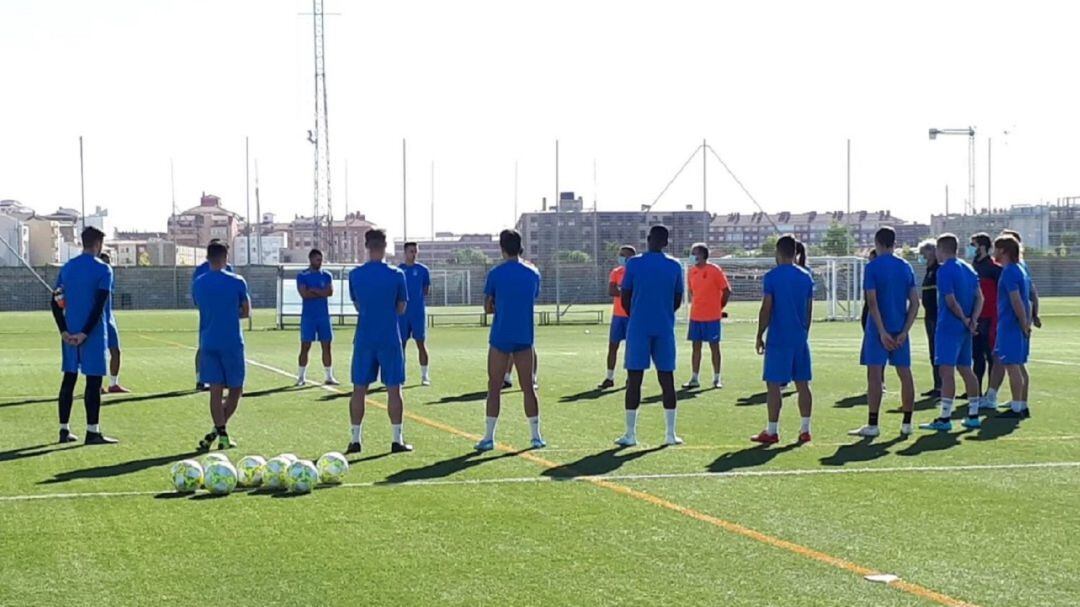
[(1016, 313), (223, 301), (960, 301), (315, 286), (709, 292), (927, 251), (787, 306), (652, 290), (113, 339), (997, 374), (414, 321), (981, 250), (510, 294), (380, 295), (893, 300), (78, 306), (201, 269), (619, 318)]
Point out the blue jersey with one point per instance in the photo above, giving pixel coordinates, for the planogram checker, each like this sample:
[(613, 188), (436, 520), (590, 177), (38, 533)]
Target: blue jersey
[(417, 279), (219, 295), (955, 277), (791, 288), (1014, 277), (201, 269), (81, 279), (892, 279), (316, 307), (375, 289), (654, 280), (515, 285)]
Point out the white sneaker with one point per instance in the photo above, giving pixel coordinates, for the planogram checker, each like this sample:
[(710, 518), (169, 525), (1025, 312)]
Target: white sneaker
[(300, 382), (425, 381), (865, 432), (906, 430), (626, 441), (693, 383), (673, 440), (331, 381), (717, 383)]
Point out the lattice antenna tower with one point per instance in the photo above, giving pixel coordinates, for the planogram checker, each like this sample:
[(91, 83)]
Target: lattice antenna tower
[(320, 136)]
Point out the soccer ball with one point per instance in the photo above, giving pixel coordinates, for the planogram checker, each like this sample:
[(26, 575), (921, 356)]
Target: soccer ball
[(302, 476), (214, 457), (250, 471), (220, 478), (332, 467), (186, 475), (289, 456), (273, 475)]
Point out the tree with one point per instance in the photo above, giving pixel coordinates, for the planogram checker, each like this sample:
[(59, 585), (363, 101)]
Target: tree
[(469, 257), (837, 240), (768, 246), (611, 249), (574, 257)]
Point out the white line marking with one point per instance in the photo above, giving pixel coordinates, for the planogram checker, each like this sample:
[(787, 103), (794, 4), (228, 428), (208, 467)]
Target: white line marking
[(608, 477), (1054, 362)]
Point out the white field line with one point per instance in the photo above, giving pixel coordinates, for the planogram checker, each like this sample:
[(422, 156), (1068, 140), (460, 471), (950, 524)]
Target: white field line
[(610, 477)]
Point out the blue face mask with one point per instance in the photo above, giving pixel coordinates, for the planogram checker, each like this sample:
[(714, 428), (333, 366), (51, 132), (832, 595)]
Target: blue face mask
[(971, 251), (922, 259), (622, 260)]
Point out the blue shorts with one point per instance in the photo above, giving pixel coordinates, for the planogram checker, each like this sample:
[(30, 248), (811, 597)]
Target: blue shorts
[(875, 355), (222, 367), (112, 335), (784, 365), (385, 363), (509, 348), (1012, 348), (659, 349), (705, 330), (314, 328), (86, 359), (617, 334), (412, 326), (952, 350)]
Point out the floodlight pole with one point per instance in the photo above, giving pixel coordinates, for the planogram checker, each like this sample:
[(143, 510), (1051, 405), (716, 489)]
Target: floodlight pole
[(969, 206)]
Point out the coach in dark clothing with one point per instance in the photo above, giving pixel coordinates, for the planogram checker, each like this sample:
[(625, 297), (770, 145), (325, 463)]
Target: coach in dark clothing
[(927, 251), (989, 271)]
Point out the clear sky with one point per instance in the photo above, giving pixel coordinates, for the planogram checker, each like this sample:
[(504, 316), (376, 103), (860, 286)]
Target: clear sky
[(776, 87)]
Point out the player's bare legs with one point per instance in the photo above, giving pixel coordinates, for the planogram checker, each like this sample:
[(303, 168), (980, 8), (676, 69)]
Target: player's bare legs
[(806, 409), (526, 359), (667, 390), (328, 362), (302, 363), (422, 355), (357, 407), (717, 363), (631, 401), (695, 365), (395, 408), (499, 365)]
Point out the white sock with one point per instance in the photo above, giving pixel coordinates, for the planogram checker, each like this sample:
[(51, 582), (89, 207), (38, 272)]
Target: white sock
[(1016, 406), (772, 428), (716, 378), (398, 434), (991, 396), (65, 427), (356, 430), (95, 428), (424, 371), (114, 380), (631, 423), (806, 424), (694, 377), (330, 372), (946, 408), (534, 427), (669, 421), (509, 377), (905, 428), (611, 374), (301, 373), (973, 406), (1023, 405), (489, 429)]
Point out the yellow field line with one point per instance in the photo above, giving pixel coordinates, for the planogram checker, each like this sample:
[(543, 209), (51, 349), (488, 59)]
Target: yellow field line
[(764, 538)]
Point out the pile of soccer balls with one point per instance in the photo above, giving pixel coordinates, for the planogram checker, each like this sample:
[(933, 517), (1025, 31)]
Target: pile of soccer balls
[(219, 476)]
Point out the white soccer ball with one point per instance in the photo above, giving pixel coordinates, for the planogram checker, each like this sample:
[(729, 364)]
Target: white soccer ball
[(332, 467), (220, 478), (186, 475), (250, 471), (274, 472), (289, 456), (302, 476), (210, 458)]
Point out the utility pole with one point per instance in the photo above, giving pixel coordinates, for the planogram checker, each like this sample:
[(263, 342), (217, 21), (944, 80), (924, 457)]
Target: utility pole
[(319, 137), (849, 176), (433, 200), (404, 197), (989, 174), (247, 201), (258, 211), (514, 223), (558, 229), (82, 187), (705, 190)]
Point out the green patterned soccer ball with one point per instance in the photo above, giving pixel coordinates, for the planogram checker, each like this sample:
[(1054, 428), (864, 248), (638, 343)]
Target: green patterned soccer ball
[(250, 471), (289, 456), (186, 475), (220, 478), (274, 472), (332, 467), (303, 476), (210, 458)]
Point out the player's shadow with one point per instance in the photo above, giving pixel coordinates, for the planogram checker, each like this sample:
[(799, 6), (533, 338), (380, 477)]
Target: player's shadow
[(443, 468), (277, 390), (33, 451), (467, 397), (750, 457), (593, 394), (867, 449), (924, 404), (995, 427), (334, 396), (934, 441), (137, 398), (117, 469), (32, 401), (681, 395), (757, 399), (597, 464)]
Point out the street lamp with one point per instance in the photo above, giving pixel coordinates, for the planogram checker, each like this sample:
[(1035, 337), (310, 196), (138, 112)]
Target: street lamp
[(969, 205)]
